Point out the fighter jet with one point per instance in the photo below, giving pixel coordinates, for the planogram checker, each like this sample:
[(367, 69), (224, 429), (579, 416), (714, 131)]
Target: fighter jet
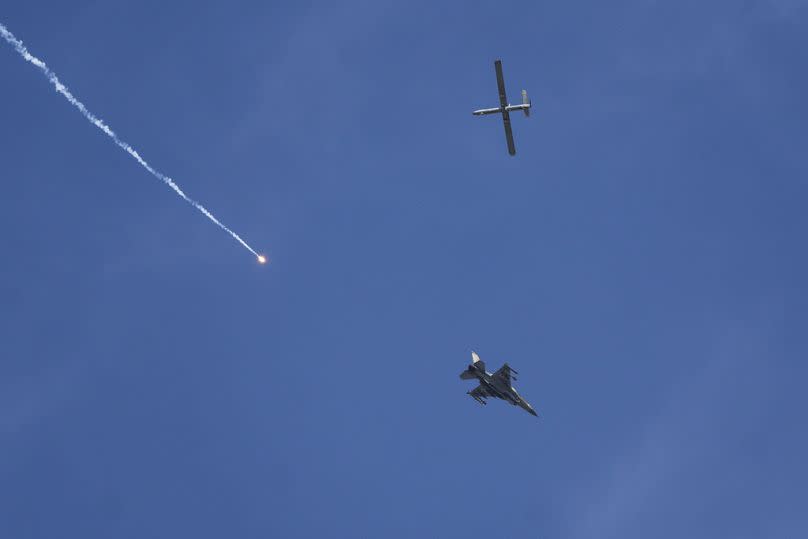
[(494, 385), (505, 109)]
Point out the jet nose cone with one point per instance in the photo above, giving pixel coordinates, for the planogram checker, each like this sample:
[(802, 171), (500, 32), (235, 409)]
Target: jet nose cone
[(529, 409)]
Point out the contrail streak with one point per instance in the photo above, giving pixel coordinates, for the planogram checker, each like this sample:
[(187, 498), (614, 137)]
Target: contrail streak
[(93, 119)]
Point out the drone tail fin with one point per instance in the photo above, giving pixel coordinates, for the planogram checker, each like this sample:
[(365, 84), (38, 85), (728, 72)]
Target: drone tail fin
[(526, 101)]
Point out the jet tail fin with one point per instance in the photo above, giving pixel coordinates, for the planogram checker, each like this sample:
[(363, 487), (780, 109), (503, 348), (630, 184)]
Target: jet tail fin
[(476, 362), (477, 365)]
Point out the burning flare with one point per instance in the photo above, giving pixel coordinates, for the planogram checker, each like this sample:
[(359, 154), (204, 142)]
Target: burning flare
[(96, 121)]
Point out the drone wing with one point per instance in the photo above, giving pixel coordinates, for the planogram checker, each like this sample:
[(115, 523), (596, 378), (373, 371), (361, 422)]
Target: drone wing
[(503, 102), (503, 98), (506, 119)]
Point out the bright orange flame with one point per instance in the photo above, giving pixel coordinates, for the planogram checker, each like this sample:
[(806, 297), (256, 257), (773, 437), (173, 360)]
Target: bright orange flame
[(262, 259)]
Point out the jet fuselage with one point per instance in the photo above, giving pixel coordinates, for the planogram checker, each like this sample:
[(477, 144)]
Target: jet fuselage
[(496, 386)]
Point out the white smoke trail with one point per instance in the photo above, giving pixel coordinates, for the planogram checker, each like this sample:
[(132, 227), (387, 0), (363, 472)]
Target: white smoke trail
[(62, 89)]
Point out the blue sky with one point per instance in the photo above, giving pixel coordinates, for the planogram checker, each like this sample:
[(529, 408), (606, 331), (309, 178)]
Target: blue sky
[(640, 262)]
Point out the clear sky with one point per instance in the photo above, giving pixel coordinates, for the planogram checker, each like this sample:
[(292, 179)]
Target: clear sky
[(641, 262)]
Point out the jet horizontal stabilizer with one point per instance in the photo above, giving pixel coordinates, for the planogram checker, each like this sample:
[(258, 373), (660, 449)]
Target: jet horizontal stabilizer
[(467, 374)]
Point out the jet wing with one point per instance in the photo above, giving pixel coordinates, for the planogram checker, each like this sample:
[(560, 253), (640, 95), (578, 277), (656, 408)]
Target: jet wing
[(504, 373), (480, 392)]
